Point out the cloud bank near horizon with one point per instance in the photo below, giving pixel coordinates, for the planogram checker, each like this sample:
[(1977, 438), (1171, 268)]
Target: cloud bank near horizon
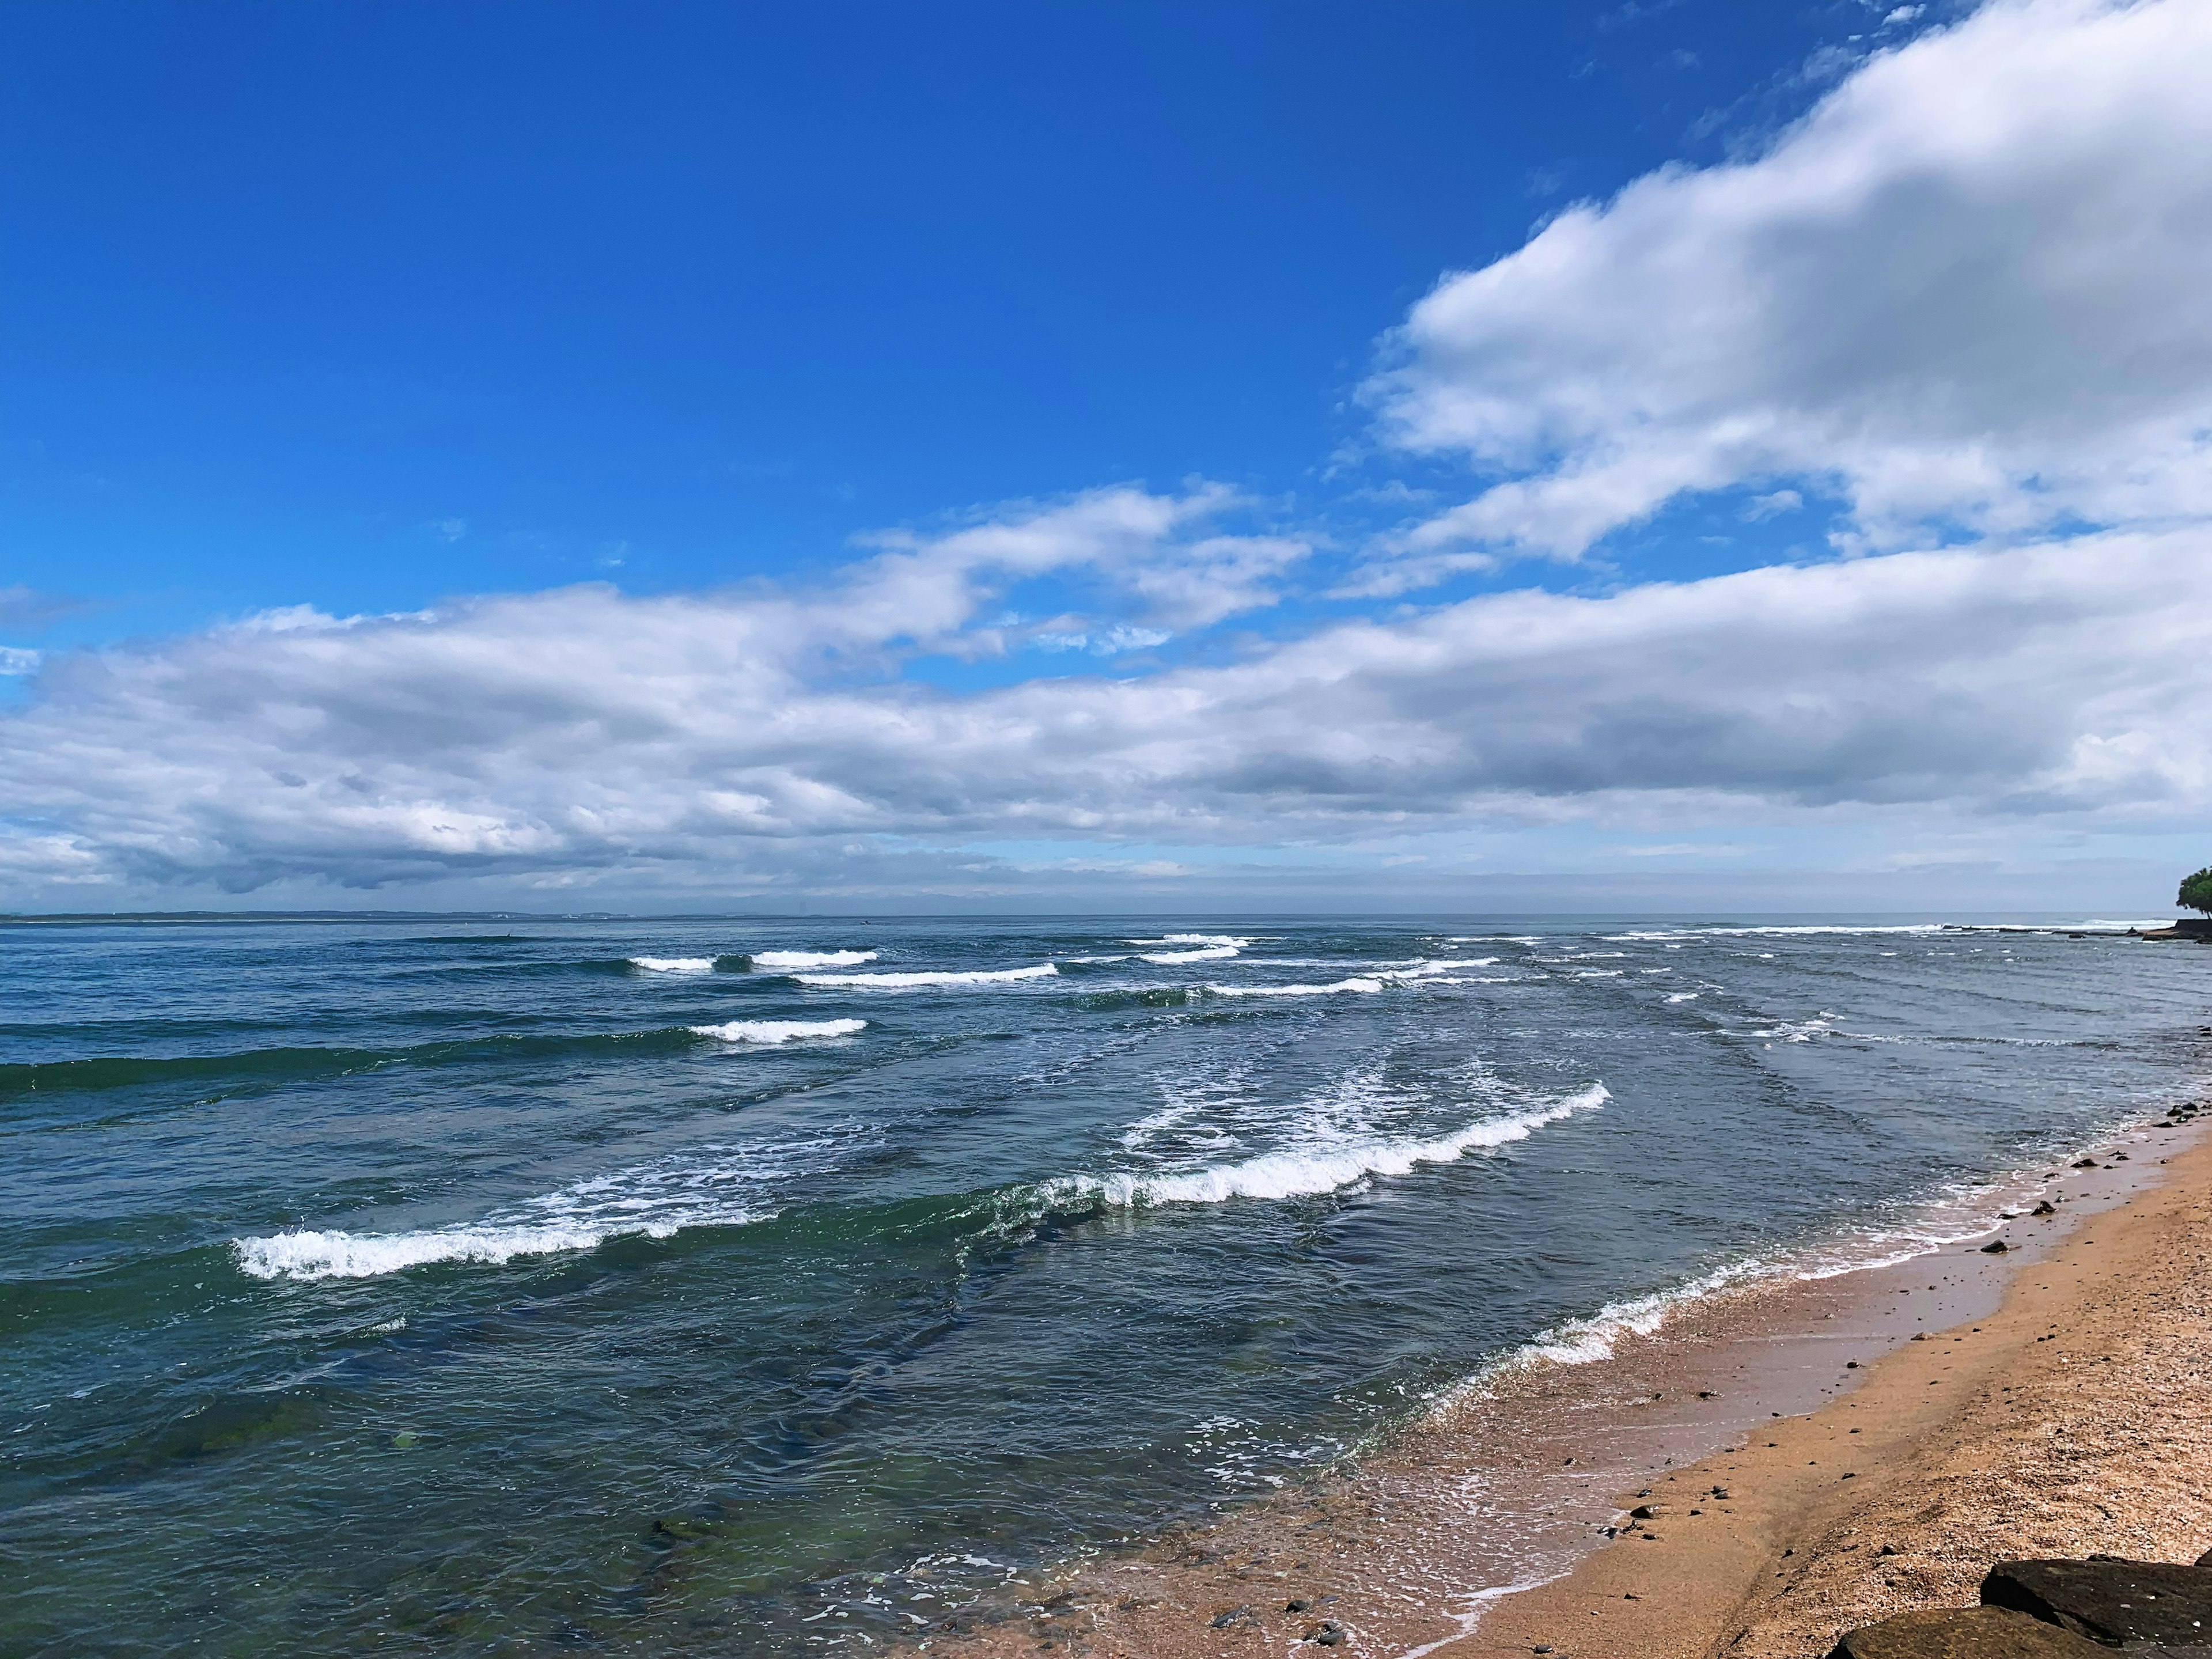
[(1963, 320)]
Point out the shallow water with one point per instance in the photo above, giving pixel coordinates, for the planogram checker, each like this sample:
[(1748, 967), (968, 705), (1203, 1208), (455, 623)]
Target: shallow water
[(454, 1287)]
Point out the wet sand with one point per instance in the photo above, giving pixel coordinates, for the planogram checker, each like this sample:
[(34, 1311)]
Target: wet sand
[(1956, 1407)]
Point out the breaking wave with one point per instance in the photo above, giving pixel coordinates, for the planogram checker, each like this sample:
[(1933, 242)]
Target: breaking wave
[(708, 1186), (1358, 984), (780, 1031), (673, 965), (1202, 953), (810, 959), (908, 982), (1295, 1173)]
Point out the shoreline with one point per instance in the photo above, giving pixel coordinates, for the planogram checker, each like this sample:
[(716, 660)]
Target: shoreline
[(1481, 1529)]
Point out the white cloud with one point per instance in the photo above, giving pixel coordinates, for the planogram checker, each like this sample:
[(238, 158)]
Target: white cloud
[(722, 739), (1971, 288)]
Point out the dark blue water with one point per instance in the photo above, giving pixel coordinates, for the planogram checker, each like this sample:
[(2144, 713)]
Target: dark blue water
[(490, 1287)]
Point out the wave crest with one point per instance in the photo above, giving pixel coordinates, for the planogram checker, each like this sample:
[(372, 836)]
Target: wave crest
[(1302, 1173), (780, 1031), (908, 982)]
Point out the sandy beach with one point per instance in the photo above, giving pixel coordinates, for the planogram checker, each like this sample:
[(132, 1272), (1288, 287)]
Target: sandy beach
[(1814, 1453)]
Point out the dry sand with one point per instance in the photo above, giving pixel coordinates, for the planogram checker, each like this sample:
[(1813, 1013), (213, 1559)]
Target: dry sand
[(1876, 1440)]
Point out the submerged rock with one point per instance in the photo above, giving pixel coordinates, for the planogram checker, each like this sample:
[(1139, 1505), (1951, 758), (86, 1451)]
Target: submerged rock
[(2109, 1601), (1964, 1633)]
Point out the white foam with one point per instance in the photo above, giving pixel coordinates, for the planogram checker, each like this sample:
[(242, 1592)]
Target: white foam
[(1585, 1341), (311, 1255), (780, 1031), (1323, 1168), (674, 964), (1228, 940), (1685, 996), (906, 981), (705, 1186), (1363, 984), (1204, 953), (1724, 933), (1821, 1024), (812, 958)]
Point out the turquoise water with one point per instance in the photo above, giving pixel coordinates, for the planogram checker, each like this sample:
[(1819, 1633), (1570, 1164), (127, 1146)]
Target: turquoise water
[(468, 1287)]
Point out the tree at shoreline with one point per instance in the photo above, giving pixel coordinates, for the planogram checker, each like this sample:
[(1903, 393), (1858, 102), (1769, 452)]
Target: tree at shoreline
[(2196, 891)]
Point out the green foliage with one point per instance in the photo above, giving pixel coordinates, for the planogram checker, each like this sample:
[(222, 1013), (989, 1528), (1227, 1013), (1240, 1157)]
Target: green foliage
[(2196, 891)]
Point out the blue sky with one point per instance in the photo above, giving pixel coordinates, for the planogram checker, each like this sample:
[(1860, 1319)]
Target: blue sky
[(1160, 455), (361, 305)]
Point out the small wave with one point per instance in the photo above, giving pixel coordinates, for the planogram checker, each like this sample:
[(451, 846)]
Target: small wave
[(1228, 940), (1294, 1174), (908, 982), (313, 1255), (1362, 984), (707, 1186), (1821, 1024), (1203, 953), (1158, 996), (1585, 1341), (810, 959), (673, 965), (780, 1031), (1685, 996)]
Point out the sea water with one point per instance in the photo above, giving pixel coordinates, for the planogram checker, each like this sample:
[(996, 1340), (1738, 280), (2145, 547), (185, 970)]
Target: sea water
[(759, 1285)]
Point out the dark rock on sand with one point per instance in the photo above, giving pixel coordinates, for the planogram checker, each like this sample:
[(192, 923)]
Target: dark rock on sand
[(2113, 1601), (2044, 1208), (1995, 1246), (1964, 1633)]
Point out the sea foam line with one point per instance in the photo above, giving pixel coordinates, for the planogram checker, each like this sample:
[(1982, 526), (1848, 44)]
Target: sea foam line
[(906, 981), (1300, 1173), (674, 964), (810, 959)]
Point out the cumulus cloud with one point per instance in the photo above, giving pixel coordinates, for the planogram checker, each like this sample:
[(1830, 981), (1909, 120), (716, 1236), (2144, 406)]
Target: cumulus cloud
[(555, 735), (1971, 290), (1969, 297)]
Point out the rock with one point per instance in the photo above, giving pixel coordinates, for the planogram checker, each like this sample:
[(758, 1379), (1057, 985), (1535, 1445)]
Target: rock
[(2044, 1208), (2113, 1602), (1329, 1636), (1234, 1616), (1645, 1512), (1995, 1246), (1964, 1633), (2083, 1163)]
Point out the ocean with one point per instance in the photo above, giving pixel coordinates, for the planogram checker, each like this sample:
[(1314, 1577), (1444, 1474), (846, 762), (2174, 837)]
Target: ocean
[(465, 1286)]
